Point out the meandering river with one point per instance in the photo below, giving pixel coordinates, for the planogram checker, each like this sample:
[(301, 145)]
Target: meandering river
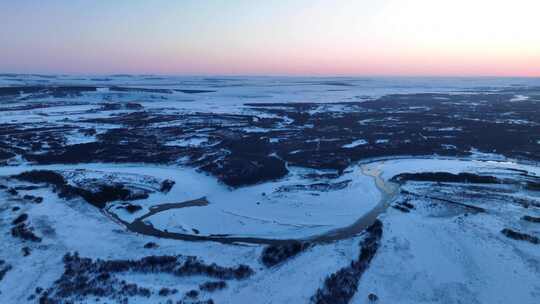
[(387, 189)]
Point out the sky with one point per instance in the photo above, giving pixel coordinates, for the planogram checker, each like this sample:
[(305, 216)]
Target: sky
[(272, 37)]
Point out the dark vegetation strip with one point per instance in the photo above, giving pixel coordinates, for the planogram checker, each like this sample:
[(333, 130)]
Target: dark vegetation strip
[(533, 186), (4, 268), (20, 219), (520, 236), (340, 287), (470, 207), (140, 90), (84, 277), (403, 206), (195, 91), (105, 194), (531, 219), (446, 178), (276, 254), (213, 286), (56, 91)]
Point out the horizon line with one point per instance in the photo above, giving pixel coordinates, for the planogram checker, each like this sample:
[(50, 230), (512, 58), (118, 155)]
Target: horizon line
[(118, 74)]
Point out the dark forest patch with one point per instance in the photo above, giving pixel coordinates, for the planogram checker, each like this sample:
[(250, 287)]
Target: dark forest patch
[(84, 277), (340, 287), (445, 177), (273, 255)]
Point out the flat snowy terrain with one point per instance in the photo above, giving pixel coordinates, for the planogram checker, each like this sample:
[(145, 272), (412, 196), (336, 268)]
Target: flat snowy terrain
[(147, 189)]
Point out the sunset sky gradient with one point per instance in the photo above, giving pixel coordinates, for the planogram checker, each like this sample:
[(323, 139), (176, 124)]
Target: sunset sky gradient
[(272, 37)]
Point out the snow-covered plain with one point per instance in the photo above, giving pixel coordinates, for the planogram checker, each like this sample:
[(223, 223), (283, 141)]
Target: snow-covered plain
[(228, 94), (423, 259), (195, 131), (74, 225), (427, 258)]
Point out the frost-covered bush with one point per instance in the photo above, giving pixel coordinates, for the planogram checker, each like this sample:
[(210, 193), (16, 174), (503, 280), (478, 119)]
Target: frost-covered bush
[(276, 254), (213, 286), (4, 268), (41, 176), (22, 231)]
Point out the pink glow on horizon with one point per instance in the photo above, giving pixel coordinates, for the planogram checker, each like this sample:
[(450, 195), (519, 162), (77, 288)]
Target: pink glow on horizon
[(296, 37)]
